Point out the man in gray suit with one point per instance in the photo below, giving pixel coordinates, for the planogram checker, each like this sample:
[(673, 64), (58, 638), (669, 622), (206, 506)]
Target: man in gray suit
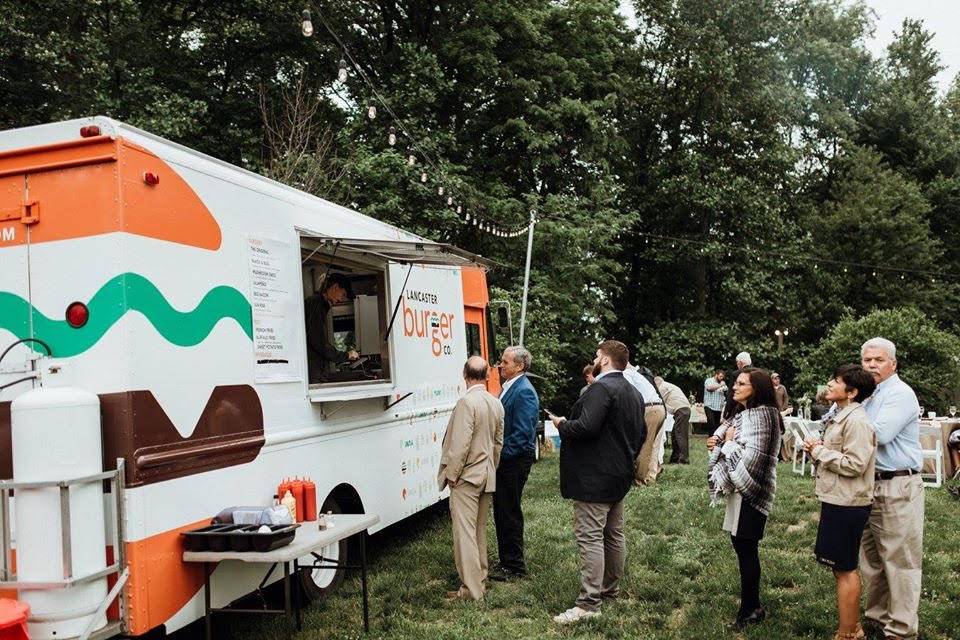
[(468, 465)]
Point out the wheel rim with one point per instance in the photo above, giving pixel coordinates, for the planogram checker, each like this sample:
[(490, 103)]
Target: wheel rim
[(323, 578)]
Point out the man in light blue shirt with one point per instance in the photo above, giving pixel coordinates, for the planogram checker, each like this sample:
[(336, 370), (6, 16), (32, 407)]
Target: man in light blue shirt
[(891, 552)]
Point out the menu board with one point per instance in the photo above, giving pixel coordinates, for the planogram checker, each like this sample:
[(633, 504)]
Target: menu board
[(273, 312)]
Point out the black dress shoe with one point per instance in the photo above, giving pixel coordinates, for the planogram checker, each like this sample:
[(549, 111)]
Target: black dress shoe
[(506, 575), (751, 617)]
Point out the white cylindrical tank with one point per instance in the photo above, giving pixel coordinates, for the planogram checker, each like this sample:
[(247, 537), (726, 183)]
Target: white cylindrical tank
[(56, 436)]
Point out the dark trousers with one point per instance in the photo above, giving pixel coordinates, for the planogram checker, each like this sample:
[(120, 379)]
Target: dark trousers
[(713, 420), (680, 436), (507, 516), (748, 558)]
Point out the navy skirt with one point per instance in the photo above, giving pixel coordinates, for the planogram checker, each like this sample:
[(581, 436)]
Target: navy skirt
[(839, 534)]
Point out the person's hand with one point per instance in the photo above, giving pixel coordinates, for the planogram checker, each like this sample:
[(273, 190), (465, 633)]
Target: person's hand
[(810, 442), (711, 443), (557, 420), (352, 355), (730, 434)]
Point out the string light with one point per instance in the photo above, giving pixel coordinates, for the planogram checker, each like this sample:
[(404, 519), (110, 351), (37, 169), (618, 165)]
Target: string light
[(460, 210), (392, 136), (440, 190), (411, 160), (423, 176), (371, 110), (449, 201), (306, 25), (342, 71)]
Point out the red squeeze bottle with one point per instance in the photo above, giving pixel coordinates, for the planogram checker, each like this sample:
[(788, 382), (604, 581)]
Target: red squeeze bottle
[(296, 488), (283, 488), (309, 500)]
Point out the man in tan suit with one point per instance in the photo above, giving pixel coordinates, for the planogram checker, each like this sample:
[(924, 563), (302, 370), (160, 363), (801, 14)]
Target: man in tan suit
[(468, 465)]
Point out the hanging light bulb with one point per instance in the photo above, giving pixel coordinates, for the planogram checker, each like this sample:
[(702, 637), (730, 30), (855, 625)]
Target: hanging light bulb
[(392, 136), (440, 190), (306, 24), (411, 160), (449, 201), (460, 209), (371, 110), (468, 215), (423, 176), (342, 71)]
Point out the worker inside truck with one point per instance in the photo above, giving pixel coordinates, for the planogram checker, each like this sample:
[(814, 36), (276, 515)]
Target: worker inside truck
[(343, 314)]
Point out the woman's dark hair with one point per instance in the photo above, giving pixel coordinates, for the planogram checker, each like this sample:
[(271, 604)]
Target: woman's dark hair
[(855, 377), (763, 393)]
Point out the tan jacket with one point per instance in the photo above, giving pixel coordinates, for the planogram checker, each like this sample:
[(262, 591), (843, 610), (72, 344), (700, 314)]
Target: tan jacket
[(845, 459), (472, 443), (673, 397)]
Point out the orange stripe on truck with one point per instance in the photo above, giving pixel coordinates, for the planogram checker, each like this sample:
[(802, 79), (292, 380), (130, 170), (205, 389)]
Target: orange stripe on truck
[(93, 186), (160, 583)]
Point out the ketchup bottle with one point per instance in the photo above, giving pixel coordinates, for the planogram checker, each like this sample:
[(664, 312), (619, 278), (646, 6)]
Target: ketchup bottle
[(296, 488), (309, 500)]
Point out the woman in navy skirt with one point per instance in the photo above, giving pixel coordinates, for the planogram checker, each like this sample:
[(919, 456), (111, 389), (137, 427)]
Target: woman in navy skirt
[(845, 458)]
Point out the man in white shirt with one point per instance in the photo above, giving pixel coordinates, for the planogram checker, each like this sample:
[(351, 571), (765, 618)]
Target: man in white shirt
[(654, 415), (891, 551)]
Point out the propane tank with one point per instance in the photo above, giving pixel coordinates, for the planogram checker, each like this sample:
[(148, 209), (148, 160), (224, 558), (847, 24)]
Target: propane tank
[(56, 436)]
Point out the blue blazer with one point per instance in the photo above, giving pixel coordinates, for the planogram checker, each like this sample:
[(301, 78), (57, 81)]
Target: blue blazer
[(521, 415)]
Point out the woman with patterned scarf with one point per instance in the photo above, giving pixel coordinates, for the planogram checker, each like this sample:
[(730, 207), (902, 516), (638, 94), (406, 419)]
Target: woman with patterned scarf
[(743, 473)]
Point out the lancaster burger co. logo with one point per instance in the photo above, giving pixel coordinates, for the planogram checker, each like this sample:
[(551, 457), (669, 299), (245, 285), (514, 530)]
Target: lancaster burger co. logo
[(422, 319)]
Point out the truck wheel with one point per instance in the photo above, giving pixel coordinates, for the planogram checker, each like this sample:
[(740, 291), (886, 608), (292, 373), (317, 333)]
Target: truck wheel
[(320, 583)]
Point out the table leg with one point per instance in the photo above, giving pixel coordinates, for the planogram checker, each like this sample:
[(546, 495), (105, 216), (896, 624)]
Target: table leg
[(363, 580), (286, 588), (296, 595), (206, 602)]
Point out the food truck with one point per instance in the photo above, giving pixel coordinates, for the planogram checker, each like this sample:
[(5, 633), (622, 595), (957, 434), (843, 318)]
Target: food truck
[(169, 291)]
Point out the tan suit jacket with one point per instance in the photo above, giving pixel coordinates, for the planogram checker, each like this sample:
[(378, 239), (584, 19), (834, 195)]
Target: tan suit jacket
[(472, 443)]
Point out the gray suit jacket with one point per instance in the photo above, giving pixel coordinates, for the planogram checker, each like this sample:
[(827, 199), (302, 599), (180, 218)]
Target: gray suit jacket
[(472, 443)]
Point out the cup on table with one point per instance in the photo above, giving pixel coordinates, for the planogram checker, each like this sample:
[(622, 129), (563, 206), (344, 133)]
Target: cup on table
[(931, 414)]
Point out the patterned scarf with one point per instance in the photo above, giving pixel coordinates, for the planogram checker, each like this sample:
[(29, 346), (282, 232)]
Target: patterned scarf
[(748, 463)]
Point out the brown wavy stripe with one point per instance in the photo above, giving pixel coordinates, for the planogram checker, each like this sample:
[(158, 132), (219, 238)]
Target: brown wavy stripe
[(137, 429)]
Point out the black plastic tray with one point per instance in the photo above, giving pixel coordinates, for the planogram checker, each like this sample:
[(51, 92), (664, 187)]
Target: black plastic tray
[(239, 537)]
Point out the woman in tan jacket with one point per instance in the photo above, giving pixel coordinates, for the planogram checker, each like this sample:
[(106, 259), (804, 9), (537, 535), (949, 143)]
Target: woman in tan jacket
[(845, 459)]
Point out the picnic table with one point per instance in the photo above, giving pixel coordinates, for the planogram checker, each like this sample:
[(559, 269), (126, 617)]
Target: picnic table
[(308, 540)]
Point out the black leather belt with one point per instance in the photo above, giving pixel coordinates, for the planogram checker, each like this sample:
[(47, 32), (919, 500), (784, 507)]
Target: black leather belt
[(887, 475)]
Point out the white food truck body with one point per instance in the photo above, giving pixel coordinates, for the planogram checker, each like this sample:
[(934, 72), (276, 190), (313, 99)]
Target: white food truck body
[(191, 277)]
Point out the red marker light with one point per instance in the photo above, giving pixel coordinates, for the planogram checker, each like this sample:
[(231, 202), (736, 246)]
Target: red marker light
[(151, 178), (77, 314), (89, 131)]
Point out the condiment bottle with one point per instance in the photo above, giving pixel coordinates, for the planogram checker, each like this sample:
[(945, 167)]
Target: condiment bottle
[(296, 487), (322, 522), (291, 504), (309, 501)]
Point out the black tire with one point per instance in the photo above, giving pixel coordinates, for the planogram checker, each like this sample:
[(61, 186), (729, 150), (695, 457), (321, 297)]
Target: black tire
[(317, 584)]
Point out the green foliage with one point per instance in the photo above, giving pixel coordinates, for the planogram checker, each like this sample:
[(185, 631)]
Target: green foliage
[(684, 169), (928, 358)]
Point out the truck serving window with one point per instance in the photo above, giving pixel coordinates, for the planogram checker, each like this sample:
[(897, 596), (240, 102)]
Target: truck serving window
[(345, 320)]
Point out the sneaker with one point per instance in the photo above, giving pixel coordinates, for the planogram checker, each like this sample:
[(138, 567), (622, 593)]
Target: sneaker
[(574, 615)]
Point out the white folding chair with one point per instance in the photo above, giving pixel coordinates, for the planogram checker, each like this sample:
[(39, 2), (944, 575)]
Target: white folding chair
[(793, 425), (933, 433)]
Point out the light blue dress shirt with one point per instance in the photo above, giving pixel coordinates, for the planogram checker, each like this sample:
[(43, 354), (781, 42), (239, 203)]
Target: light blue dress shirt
[(894, 411)]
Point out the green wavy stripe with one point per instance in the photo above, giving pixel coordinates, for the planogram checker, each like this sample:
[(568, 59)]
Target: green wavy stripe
[(123, 293)]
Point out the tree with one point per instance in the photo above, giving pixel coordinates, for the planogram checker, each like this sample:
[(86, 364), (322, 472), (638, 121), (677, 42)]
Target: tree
[(928, 358)]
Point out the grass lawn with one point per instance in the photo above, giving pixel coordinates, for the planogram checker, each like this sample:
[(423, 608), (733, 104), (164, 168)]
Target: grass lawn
[(681, 579)]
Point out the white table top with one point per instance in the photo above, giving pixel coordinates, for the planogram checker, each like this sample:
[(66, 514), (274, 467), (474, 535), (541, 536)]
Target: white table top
[(308, 538)]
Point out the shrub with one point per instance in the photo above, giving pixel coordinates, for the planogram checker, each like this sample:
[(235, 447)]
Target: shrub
[(928, 358)]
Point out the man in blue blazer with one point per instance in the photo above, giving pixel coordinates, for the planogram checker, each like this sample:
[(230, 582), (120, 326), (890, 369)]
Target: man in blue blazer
[(521, 416)]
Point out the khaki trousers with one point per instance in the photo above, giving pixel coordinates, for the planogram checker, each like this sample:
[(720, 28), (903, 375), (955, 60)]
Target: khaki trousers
[(598, 528), (469, 506), (891, 555), (648, 464)]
